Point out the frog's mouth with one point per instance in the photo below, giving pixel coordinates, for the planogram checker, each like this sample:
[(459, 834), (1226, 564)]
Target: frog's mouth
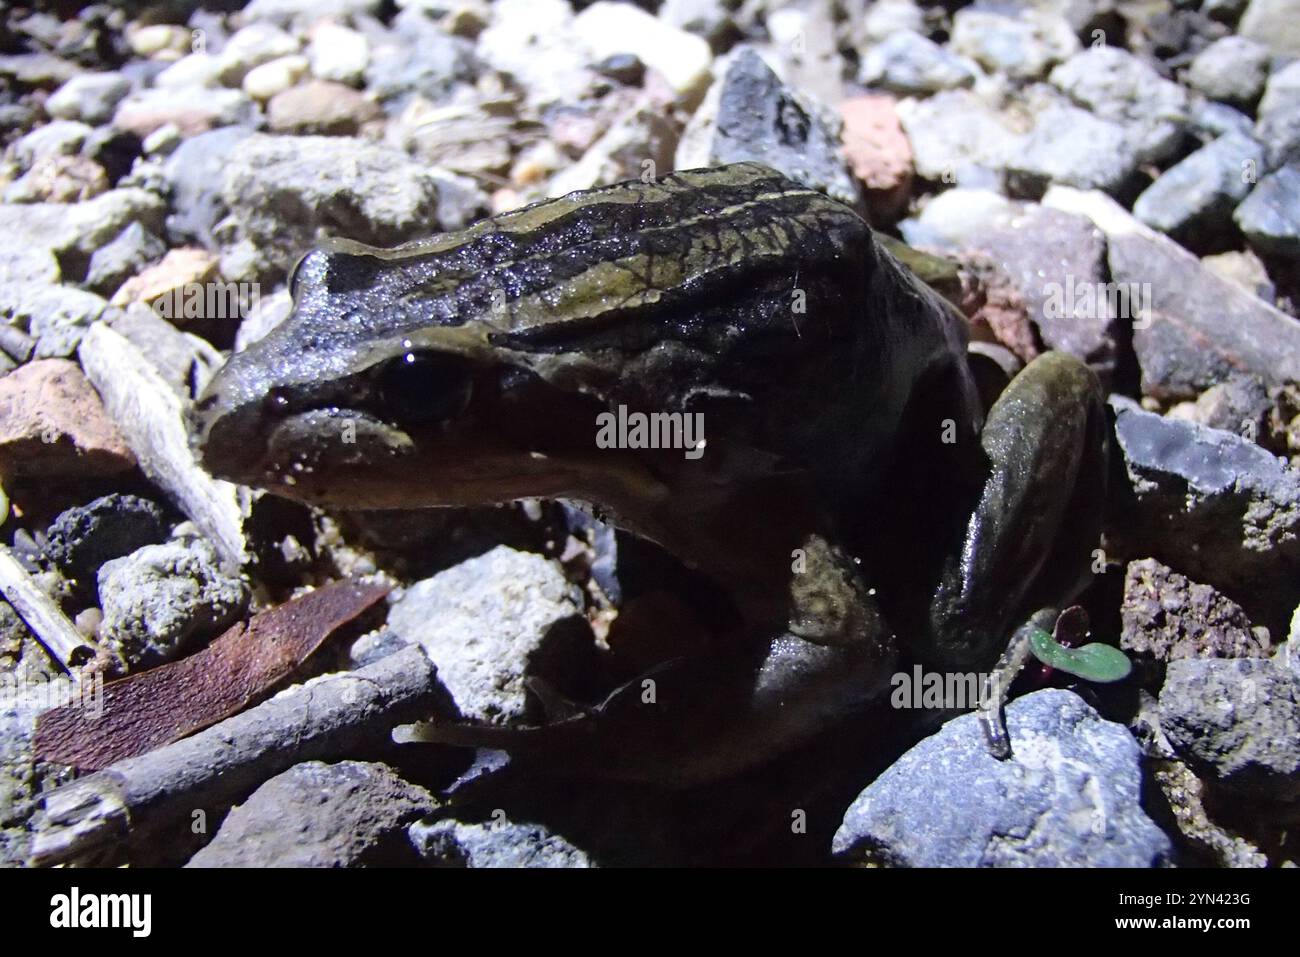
[(351, 458)]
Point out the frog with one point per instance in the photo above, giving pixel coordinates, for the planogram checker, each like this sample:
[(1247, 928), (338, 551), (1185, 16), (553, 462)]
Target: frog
[(846, 495)]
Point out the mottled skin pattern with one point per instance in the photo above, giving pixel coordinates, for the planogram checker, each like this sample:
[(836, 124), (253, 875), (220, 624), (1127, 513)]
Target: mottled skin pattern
[(842, 428)]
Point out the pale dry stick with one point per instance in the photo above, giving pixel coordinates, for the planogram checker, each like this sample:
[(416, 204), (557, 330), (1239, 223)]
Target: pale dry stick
[(48, 623), (16, 344), (151, 417), (147, 804), (997, 684)]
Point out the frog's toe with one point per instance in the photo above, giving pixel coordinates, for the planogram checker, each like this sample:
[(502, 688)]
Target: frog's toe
[(1029, 541)]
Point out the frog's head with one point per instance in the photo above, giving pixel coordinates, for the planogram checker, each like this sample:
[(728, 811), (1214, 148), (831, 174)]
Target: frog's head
[(361, 398), (474, 367)]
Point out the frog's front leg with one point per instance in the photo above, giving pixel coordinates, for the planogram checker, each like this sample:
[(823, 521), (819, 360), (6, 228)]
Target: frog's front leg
[(1029, 541)]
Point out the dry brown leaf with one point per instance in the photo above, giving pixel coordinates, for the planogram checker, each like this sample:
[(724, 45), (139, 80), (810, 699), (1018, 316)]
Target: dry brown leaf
[(156, 707)]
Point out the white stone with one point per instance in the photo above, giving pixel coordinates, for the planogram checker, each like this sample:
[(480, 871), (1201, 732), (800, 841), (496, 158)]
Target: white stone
[(263, 82), (257, 43), (889, 17), (197, 69), (90, 97), (682, 58), (338, 53)]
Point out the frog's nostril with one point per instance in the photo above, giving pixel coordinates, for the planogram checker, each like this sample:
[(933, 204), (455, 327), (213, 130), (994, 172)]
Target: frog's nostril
[(276, 401)]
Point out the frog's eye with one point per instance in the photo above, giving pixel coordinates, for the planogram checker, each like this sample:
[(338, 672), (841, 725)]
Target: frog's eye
[(426, 386)]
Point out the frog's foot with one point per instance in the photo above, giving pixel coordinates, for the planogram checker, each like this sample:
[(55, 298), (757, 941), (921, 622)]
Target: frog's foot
[(997, 683), (1029, 541)]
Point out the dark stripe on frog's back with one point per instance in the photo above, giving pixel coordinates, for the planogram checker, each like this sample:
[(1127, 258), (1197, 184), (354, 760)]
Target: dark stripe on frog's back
[(552, 225), (541, 252)]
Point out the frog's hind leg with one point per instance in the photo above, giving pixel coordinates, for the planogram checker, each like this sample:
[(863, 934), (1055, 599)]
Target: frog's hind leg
[(1029, 542)]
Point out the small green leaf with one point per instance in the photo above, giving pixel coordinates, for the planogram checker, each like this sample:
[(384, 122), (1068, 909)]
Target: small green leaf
[(1095, 662)]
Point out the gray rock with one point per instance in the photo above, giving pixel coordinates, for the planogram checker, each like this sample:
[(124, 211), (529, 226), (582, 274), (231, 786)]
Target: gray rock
[(1070, 796), (683, 60), (955, 134), (349, 814), (1213, 505), (533, 41), (17, 117), (1238, 720), (1194, 328), (450, 843), (321, 106), (1123, 89), (1231, 69), (1208, 120), (1051, 256), (285, 191), (710, 19), (488, 623), (193, 174), (71, 232), (1278, 123), (21, 775), (162, 142), (1169, 36), (1240, 405), (58, 179), (57, 138), (129, 252), (1074, 148), (417, 57), (43, 70), (879, 21), (624, 68), (56, 316), (1022, 43), (641, 135), (1193, 200), (1274, 23), (460, 199), (1270, 215), (909, 63), (89, 97), (21, 263), (807, 36), (192, 109), (760, 118), (300, 14), (161, 598), (84, 537), (1168, 617), (373, 646), (959, 218)]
